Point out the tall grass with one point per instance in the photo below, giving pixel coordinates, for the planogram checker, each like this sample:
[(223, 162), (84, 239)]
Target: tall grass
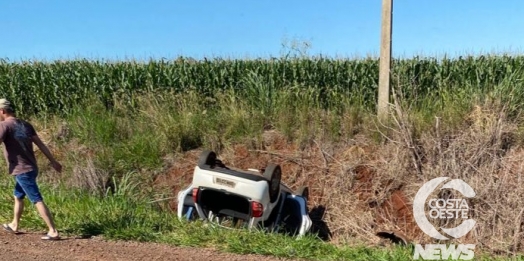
[(102, 144)]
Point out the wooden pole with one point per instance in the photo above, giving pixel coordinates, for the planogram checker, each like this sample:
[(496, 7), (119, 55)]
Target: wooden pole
[(385, 59)]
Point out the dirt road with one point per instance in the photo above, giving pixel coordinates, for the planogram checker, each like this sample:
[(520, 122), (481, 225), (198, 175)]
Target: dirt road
[(30, 247)]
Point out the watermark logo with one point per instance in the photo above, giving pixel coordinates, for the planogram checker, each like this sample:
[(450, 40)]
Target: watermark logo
[(443, 209)]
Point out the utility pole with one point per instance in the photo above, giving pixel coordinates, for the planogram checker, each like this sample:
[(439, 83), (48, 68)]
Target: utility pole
[(385, 59)]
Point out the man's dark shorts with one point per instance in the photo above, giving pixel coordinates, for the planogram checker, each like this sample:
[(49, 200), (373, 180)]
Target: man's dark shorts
[(26, 185)]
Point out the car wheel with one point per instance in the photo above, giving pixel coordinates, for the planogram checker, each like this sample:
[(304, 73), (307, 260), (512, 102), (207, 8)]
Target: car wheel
[(303, 192), (273, 174), (207, 158)]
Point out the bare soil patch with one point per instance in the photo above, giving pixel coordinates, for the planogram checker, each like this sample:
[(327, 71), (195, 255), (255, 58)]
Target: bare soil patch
[(30, 247)]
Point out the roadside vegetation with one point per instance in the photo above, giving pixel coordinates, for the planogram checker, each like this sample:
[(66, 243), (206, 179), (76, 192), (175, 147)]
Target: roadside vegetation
[(119, 128)]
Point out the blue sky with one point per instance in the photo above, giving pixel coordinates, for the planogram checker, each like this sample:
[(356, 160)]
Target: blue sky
[(118, 29)]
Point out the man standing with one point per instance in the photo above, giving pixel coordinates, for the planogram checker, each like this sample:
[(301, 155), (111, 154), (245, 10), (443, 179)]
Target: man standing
[(18, 137)]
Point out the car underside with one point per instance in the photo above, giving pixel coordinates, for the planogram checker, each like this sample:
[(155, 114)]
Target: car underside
[(239, 199)]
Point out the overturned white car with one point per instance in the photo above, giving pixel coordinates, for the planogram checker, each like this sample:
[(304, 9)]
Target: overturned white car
[(243, 198)]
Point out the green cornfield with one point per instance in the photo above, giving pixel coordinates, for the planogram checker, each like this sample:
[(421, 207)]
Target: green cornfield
[(55, 87)]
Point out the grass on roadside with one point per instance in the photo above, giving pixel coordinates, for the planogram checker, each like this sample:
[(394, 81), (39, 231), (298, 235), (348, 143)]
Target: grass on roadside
[(125, 215)]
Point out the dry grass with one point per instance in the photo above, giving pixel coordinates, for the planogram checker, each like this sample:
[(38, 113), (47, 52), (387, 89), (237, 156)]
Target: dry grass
[(377, 194), (366, 188)]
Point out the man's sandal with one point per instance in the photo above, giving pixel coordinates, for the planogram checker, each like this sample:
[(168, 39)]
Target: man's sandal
[(48, 237), (9, 229)]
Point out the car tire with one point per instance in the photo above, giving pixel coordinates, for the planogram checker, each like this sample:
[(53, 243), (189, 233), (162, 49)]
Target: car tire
[(273, 174), (207, 159), (303, 192)]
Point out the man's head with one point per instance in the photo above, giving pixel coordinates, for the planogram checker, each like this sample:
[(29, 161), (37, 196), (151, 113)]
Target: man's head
[(6, 109)]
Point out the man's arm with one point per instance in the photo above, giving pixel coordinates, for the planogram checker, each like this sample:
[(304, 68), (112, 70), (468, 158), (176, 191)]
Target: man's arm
[(2, 132), (47, 153)]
